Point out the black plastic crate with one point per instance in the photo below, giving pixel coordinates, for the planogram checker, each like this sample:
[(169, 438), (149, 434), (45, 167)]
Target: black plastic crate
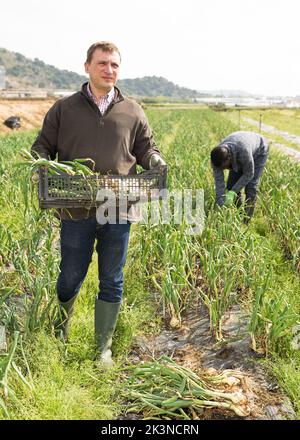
[(65, 191)]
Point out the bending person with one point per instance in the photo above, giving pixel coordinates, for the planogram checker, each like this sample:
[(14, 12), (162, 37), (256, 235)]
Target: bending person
[(244, 154)]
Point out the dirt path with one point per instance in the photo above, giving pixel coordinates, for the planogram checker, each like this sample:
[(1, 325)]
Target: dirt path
[(31, 112), (289, 137), (193, 346)]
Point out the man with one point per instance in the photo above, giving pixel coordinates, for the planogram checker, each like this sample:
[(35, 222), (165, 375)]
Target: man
[(97, 123), (244, 153)]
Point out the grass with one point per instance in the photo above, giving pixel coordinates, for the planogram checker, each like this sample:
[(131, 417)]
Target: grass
[(283, 120), (63, 388), (165, 267), (287, 373)]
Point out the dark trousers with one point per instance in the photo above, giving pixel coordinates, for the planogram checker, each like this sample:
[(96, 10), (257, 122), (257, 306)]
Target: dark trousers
[(77, 246), (251, 188)]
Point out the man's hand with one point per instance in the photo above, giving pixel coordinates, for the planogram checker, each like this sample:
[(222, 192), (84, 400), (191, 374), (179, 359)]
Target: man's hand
[(156, 161), (230, 198), (35, 177)]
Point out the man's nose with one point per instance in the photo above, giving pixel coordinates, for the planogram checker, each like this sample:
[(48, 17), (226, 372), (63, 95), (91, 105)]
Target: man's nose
[(109, 68)]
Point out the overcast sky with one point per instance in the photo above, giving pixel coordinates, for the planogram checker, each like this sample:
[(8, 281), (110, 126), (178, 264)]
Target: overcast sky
[(251, 45)]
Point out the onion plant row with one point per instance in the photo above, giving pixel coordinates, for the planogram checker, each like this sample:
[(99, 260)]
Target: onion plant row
[(228, 263)]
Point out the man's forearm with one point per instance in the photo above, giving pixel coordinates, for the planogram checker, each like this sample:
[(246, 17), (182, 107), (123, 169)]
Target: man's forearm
[(145, 146), (45, 144), (40, 149), (242, 182), (219, 185)]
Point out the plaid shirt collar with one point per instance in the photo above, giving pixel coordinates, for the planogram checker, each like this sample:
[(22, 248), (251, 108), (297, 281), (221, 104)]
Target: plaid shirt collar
[(104, 101)]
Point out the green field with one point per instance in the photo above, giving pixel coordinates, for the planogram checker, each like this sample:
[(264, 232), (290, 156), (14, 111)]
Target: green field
[(283, 119), (257, 267)]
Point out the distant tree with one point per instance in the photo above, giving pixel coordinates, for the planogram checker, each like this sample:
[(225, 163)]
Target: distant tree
[(36, 73)]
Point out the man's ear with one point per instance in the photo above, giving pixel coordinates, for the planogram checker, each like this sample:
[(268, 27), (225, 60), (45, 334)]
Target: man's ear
[(86, 67)]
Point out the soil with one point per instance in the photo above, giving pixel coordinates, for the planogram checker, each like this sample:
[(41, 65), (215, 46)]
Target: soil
[(31, 112), (193, 346)]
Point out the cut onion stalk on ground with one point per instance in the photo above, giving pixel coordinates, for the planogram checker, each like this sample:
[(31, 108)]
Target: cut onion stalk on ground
[(162, 388)]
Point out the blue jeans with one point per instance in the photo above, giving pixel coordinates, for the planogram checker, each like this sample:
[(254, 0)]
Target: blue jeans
[(77, 246)]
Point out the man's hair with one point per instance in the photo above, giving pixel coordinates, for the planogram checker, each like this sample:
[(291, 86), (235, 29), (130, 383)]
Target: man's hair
[(106, 46), (219, 155)]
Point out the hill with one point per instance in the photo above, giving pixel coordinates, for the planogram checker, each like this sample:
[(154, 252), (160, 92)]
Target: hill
[(152, 86), (22, 72)]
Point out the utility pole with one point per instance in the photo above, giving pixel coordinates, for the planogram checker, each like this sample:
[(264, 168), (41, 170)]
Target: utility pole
[(260, 118)]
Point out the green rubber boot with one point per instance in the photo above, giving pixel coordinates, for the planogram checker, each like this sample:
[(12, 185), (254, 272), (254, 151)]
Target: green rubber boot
[(106, 315), (61, 324)]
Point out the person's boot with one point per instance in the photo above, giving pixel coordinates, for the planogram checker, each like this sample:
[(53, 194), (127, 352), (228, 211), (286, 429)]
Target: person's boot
[(61, 324), (249, 210), (106, 315)]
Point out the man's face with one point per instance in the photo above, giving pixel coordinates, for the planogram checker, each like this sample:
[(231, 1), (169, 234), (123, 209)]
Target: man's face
[(103, 70), (226, 165)]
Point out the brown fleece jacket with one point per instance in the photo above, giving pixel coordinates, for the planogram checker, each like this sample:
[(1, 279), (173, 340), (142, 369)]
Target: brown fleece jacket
[(74, 128)]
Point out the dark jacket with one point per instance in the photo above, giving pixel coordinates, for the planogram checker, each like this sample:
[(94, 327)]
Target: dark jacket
[(247, 149), (74, 128)]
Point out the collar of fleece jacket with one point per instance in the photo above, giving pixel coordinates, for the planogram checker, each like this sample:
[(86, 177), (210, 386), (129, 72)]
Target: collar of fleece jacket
[(117, 98)]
